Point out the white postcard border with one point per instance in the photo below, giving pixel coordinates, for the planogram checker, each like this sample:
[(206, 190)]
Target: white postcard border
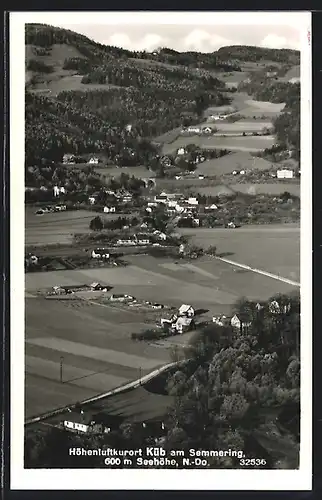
[(105, 479)]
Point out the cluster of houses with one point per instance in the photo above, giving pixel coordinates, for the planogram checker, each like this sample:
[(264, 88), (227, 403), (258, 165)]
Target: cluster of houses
[(283, 173), (198, 130), (120, 196), (174, 202), (88, 422), (70, 159), (70, 289), (49, 209), (242, 321), (180, 322)]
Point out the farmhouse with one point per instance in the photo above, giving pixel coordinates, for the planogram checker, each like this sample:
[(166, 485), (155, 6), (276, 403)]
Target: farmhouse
[(239, 322), (275, 308), (186, 310), (59, 190), (93, 198), (160, 235), (221, 320), (98, 287), (121, 297), (207, 130), (126, 241), (181, 151), (68, 159), (69, 289), (285, 174), (109, 209), (77, 422), (142, 239), (194, 130), (211, 207), (60, 208), (192, 201), (100, 253), (93, 160)]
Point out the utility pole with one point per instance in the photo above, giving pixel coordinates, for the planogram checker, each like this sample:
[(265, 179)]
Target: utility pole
[(61, 369)]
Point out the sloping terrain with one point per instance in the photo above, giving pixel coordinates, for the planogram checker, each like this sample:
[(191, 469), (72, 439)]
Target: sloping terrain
[(81, 94)]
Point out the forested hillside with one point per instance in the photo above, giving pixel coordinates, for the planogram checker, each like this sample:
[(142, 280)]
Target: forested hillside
[(121, 97)]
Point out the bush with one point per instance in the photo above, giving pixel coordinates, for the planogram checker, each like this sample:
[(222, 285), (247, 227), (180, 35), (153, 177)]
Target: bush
[(148, 335), (39, 66)]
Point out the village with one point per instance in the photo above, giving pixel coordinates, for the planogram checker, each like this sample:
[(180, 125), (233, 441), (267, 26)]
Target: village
[(162, 250)]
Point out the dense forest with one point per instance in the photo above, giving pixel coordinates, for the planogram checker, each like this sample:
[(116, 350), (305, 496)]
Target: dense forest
[(86, 122), (255, 54), (238, 389)]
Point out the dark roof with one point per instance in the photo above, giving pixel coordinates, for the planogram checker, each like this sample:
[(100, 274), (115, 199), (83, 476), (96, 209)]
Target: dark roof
[(73, 287)]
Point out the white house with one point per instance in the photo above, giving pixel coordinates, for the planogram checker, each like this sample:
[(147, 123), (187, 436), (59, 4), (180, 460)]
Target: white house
[(238, 323), (182, 324), (93, 160), (274, 307), (192, 201), (160, 235), (142, 239), (100, 253), (128, 127), (76, 426), (120, 297), (186, 310), (214, 117), (220, 320), (108, 210), (211, 207), (285, 174), (207, 130), (195, 130), (68, 159), (126, 241), (59, 190), (97, 287), (181, 151)]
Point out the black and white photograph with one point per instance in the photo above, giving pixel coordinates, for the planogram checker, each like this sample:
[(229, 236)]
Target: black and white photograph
[(160, 250)]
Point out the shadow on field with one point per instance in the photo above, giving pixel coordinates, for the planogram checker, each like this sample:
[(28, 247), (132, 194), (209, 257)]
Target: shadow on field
[(199, 312), (225, 254)]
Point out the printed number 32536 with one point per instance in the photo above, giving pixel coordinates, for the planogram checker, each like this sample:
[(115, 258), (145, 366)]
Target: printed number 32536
[(251, 462)]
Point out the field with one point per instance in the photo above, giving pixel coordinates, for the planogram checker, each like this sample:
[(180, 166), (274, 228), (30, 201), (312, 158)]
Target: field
[(268, 188), (59, 80), (241, 126), (252, 144), (140, 172), (233, 78), (95, 343), (58, 227), (94, 338), (251, 108), (235, 161), (272, 248)]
